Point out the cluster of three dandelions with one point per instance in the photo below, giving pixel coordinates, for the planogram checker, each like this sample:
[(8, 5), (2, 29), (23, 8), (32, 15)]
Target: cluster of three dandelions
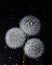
[(15, 37)]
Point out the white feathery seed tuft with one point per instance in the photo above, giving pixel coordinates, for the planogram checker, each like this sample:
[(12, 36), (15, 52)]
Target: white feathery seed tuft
[(34, 48), (30, 25), (15, 38)]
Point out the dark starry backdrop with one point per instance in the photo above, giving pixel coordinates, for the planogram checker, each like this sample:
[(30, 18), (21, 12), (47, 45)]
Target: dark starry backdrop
[(11, 12)]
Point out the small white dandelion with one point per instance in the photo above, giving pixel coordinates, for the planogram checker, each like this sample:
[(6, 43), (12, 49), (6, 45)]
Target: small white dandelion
[(34, 48), (15, 38), (30, 25)]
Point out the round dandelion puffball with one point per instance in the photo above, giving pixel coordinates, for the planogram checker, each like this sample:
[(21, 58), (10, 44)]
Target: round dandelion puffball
[(34, 48), (30, 25), (15, 38)]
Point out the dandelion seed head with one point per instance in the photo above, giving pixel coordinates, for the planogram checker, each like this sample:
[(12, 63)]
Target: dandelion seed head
[(15, 38), (34, 48), (30, 25)]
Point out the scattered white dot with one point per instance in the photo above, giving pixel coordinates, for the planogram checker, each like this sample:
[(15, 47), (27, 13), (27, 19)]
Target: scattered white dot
[(30, 25), (9, 57), (15, 38), (4, 64), (16, 64), (34, 48), (23, 61)]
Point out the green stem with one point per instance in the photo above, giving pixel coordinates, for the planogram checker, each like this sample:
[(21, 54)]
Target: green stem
[(24, 56)]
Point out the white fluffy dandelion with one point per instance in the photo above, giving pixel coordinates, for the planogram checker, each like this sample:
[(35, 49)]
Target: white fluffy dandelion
[(34, 48), (15, 38), (30, 25)]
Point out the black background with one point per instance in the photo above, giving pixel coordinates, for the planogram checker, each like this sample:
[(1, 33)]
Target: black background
[(11, 12)]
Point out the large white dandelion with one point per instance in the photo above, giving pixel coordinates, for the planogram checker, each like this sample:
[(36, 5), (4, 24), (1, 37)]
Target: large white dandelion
[(34, 48), (30, 25), (15, 38)]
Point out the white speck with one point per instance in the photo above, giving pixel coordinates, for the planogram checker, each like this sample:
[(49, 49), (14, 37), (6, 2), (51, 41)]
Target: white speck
[(34, 48), (16, 64), (23, 61), (9, 57), (4, 64), (15, 38), (30, 25)]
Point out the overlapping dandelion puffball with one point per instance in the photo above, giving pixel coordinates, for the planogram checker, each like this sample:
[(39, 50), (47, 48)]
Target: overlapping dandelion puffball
[(15, 38), (34, 48), (30, 25)]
